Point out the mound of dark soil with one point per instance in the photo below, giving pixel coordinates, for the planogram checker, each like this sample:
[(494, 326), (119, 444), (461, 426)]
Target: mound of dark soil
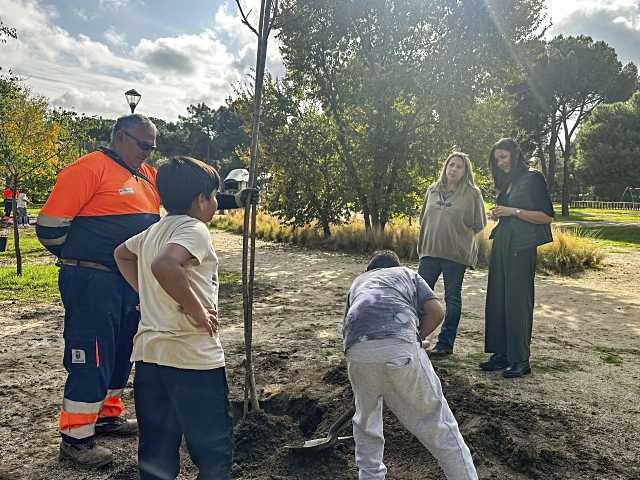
[(259, 435), (509, 440), (337, 375)]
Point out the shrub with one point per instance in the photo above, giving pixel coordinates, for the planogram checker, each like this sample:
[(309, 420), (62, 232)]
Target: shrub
[(572, 250)]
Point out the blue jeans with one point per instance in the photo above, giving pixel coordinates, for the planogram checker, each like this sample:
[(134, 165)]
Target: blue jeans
[(430, 269)]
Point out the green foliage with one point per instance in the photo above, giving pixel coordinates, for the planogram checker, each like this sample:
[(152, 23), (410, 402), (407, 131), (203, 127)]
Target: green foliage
[(566, 81), (482, 125), (36, 142), (212, 135), (299, 153), (396, 78), (609, 148)]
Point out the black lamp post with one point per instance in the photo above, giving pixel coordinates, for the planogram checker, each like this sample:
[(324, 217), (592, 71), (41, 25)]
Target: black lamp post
[(133, 98)]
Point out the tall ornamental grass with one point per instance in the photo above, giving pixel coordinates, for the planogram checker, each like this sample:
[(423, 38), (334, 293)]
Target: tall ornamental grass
[(573, 250)]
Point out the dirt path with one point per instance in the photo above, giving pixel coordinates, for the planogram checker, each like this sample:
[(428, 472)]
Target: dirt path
[(576, 417)]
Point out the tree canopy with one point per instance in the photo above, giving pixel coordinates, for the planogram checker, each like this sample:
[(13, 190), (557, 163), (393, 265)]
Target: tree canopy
[(609, 149), (569, 78)]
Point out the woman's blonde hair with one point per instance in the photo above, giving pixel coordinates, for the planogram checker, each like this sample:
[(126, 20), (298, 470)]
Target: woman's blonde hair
[(466, 181)]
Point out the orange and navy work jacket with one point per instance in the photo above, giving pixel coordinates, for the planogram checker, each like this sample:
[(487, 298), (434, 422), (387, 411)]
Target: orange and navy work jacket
[(95, 205)]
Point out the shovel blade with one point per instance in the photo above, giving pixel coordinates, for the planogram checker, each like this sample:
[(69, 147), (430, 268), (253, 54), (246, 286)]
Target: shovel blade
[(318, 444)]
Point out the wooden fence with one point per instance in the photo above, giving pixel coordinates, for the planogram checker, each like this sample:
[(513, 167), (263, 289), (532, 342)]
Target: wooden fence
[(605, 205)]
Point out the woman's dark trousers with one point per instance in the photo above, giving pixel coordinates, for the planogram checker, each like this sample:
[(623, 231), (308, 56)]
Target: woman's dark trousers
[(510, 299), (430, 269)]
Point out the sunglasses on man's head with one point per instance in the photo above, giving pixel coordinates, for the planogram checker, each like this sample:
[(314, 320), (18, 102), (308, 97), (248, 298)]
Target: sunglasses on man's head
[(144, 146)]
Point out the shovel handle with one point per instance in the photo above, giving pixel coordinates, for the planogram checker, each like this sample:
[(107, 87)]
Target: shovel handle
[(338, 424)]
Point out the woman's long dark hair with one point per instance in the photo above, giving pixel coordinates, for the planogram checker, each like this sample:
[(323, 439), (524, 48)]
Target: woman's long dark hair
[(519, 165)]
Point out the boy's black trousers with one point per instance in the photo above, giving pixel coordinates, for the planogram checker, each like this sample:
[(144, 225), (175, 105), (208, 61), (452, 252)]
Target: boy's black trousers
[(172, 402)]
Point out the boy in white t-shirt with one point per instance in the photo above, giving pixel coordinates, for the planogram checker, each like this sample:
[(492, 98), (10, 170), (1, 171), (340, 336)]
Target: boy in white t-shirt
[(180, 387)]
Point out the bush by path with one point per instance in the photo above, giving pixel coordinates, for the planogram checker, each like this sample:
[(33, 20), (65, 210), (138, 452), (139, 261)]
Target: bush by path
[(573, 250)]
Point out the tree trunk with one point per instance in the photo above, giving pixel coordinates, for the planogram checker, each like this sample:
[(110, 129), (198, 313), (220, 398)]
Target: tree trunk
[(345, 155), (539, 140), (250, 211), (566, 156), (16, 231), (326, 228), (366, 213), (551, 177)]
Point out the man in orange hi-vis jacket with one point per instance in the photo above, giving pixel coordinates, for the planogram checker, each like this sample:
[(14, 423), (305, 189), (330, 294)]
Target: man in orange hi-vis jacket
[(98, 202)]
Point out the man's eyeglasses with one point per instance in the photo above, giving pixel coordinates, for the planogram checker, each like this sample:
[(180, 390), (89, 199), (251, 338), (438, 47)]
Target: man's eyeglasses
[(144, 146)]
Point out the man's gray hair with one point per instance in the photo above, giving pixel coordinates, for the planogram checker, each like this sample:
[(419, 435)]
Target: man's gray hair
[(131, 121)]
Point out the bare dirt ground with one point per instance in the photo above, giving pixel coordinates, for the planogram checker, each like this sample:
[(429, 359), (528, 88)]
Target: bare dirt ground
[(577, 417)]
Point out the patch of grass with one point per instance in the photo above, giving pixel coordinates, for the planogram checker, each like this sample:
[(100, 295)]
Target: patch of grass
[(41, 282), (457, 360), (29, 246), (229, 278), (618, 351), (624, 236), (36, 282), (556, 365), (594, 215), (612, 359)]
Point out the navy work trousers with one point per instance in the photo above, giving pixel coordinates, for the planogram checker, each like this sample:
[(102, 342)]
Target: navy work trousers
[(100, 321)]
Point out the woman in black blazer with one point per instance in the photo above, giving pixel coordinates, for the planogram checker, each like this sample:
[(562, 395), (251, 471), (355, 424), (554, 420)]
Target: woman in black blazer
[(524, 212)]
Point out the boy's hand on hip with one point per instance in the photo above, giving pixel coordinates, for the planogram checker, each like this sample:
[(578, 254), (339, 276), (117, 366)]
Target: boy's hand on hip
[(206, 318)]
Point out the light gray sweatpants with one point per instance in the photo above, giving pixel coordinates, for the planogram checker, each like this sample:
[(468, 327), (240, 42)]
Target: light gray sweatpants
[(401, 375)]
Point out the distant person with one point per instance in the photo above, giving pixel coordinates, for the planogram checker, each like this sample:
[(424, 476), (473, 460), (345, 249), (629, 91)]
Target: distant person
[(22, 205), (524, 212), (390, 309), (180, 386), (8, 201), (97, 203), (452, 214)]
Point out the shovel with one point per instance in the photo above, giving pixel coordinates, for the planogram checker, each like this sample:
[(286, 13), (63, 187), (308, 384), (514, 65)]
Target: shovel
[(330, 440)]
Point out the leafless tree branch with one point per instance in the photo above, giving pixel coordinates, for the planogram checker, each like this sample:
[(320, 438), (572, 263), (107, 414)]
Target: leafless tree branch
[(245, 19)]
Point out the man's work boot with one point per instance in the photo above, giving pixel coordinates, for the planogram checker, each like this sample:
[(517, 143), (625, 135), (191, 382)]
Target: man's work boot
[(88, 455), (118, 426)]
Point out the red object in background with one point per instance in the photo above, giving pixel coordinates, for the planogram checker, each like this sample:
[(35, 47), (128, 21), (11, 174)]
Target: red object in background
[(8, 192)]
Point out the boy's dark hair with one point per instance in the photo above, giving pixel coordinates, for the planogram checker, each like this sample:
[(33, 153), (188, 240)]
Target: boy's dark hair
[(181, 179), (383, 259)]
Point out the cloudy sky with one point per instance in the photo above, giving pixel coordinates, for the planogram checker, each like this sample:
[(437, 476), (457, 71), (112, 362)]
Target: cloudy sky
[(83, 54)]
